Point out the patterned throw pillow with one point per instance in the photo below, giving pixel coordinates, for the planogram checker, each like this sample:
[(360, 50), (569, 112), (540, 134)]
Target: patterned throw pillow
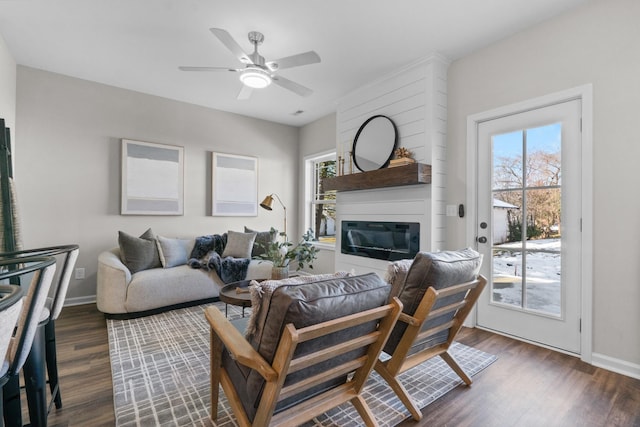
[(239, 245), (263, 238), (139, 253)]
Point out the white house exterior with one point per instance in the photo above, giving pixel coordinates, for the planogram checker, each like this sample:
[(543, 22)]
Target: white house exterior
[(501, 220)]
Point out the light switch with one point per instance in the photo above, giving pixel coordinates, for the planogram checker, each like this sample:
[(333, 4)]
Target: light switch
[(452, 210), (79, 273)]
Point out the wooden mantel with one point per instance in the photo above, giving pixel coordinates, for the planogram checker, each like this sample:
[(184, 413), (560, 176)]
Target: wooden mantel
[(415, 173)]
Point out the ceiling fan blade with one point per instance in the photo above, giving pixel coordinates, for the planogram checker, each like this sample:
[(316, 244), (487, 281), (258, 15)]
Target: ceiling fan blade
[(294, 61), (292, 86), (245, 93), (208, 69), (231, 44)]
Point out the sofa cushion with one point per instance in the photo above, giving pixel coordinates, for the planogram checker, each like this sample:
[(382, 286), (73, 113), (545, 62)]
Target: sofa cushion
[(239, 245), (174, 252), (138, 253), (304, 305), (263, 238), (437, 269), (158, 287)]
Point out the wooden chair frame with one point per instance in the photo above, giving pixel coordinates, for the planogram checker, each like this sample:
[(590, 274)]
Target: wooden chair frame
[(400, 362), (225, 335)]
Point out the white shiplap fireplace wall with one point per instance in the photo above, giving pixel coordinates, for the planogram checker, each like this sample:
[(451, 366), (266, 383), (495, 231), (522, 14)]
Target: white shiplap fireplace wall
[(415, 98)]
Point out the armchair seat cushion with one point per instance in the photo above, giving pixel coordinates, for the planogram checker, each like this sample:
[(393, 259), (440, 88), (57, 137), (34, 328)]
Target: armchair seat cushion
[(304, 305)]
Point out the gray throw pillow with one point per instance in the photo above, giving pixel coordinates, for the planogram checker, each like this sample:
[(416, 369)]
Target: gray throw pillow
[(174, 252), (138, 253), (239, 245), (263, 238)]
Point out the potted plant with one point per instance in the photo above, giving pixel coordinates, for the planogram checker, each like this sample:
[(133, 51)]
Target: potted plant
[(282, 252)]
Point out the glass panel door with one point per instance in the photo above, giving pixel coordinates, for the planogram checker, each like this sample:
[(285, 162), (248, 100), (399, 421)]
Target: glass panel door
[(527, 190), (529, 224)]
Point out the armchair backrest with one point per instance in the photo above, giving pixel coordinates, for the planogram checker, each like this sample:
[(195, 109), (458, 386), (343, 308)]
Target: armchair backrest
[(10, 305), (69, 255), (301, 326), (43, 269), (439, 271)]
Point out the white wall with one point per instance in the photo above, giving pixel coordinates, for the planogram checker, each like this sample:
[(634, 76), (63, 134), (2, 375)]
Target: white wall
[(68, 164), (316, 137), (415, 98), (598, 43), (8, 89)]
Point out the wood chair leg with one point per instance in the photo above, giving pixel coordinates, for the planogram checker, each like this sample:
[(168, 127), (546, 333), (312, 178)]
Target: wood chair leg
[(399, 390), (216, 361), (454, 365), (236, 404), (35, 380), (12, 408), (52, 364), (365, 412)]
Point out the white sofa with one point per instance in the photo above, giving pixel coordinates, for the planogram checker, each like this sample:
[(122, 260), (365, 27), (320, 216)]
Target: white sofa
[(122, 294)]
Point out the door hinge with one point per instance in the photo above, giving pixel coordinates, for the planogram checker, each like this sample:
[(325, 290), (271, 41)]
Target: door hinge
[(580, 325), (581, 225)]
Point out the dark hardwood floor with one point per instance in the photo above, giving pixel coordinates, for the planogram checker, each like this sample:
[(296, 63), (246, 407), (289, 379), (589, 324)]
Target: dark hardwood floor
[(526, 386)]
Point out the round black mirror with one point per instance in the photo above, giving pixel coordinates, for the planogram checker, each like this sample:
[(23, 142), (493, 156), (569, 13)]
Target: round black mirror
[(374, 143)]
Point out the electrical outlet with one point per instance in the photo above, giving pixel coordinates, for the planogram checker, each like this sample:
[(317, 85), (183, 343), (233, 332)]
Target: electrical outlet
[(452, 210), (79, 273)]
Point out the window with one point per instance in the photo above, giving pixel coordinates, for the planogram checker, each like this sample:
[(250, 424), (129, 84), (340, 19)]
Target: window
[(320, 207)]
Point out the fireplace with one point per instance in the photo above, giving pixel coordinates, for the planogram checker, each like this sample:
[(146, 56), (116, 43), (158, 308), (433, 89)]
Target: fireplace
[(381, 240)]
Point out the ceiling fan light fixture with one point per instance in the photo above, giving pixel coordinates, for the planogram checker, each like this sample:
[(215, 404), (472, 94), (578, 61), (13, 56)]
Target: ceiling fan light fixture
[(255, 78)]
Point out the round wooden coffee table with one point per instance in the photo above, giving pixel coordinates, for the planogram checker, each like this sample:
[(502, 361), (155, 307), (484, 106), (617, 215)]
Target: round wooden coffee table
[(236, 293)]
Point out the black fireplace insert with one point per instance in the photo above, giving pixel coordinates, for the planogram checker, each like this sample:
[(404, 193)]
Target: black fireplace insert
[(381, 240)]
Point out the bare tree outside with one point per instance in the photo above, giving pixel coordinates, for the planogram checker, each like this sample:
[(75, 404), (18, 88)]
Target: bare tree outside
[(541, 180), (324, 212)]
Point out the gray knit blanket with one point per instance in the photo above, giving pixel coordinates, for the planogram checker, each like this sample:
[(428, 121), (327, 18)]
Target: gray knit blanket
[(206, 256)]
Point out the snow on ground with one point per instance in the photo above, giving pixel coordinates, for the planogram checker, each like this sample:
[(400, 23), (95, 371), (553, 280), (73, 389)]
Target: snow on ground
[(543, 275)]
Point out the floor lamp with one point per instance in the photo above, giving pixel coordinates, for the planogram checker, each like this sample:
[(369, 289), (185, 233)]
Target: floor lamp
[(266, 204)]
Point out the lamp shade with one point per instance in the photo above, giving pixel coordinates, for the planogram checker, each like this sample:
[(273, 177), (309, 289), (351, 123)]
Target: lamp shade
[(267, 202)]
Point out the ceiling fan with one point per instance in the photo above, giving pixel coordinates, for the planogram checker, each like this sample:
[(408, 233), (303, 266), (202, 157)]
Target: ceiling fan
[(258, 73)]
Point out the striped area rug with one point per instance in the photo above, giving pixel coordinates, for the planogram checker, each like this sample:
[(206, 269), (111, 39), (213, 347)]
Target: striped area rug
[(160, 372)]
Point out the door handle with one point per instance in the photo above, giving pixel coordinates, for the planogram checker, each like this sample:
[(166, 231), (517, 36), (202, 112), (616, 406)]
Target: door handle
[(482, 239)]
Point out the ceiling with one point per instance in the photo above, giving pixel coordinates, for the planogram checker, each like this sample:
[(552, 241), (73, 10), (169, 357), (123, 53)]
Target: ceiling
[(139, 44)]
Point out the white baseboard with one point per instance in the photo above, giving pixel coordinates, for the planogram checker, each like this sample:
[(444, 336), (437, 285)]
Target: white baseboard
[(616, 365), (90, 299)]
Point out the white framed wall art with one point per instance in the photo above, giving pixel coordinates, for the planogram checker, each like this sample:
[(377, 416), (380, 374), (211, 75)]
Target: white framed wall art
[(152, 179), (234, 185)]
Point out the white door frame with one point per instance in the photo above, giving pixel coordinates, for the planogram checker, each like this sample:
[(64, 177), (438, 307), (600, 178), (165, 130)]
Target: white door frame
[(585, 93)]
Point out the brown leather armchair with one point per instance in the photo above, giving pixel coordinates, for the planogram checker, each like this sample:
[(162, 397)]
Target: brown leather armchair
[(438, 291), (313, 348)]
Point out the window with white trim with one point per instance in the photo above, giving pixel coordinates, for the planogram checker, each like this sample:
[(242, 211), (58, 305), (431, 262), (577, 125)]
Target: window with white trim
[(320, 206)]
